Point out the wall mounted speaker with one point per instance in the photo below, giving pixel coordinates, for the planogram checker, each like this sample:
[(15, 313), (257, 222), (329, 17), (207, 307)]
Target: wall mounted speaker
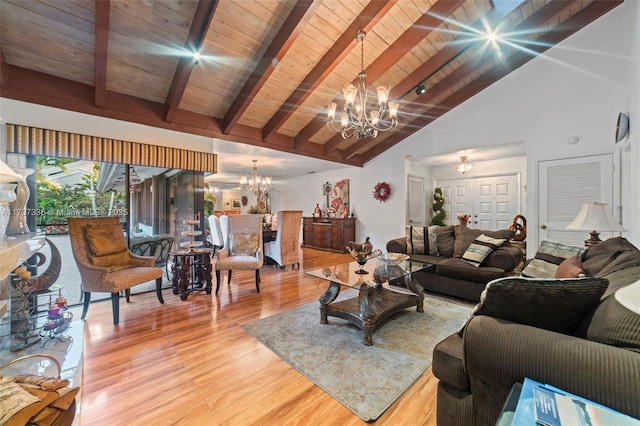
[(622, 127)]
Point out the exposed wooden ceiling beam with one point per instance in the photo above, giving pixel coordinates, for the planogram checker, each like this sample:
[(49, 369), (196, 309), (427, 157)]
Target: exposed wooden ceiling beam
[(291, 29), (103, 9), (4, 70), (548, 40), (43, 89), (197, 33), (370, 16), (403, 44)]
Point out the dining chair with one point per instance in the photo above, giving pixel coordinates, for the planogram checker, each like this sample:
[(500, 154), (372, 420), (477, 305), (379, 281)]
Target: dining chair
[(242, 247), (285, 249), (224, 227), (105, 262), (215, 237)]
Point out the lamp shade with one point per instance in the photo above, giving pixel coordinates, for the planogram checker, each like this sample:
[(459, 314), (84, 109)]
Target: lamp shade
[(7, 174), (595, 217)]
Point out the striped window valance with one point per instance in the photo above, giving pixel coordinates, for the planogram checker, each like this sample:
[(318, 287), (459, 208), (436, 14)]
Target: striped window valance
[(54, 143)]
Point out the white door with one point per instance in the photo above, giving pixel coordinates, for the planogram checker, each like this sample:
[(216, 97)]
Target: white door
[(415, 201), (498, 201), (564, 185), (492, 202), (458, 198)]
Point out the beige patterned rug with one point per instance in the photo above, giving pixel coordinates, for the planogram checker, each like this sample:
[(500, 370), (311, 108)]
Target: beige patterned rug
[(334, 358)]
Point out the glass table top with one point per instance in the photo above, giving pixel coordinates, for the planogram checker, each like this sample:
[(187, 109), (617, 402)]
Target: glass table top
[(378, 272)]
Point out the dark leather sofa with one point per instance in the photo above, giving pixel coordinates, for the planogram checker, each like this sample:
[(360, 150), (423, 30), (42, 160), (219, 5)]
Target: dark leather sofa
[(452, 275)]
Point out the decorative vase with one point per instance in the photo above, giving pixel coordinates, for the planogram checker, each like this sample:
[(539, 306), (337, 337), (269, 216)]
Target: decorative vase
[(18, 218), (463, 219), (7, 195)]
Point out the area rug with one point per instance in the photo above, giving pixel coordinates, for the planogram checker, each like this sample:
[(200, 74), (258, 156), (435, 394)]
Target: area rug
[(365, 379)]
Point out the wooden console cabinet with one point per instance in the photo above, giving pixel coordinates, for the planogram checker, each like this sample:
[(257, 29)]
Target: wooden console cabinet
[(328, 233)]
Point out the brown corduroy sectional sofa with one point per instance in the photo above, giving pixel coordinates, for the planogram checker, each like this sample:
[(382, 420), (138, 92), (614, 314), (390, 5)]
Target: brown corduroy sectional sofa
[(452, 275), (591, 349)]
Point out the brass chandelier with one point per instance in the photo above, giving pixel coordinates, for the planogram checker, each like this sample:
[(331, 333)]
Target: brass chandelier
[(358, 118)]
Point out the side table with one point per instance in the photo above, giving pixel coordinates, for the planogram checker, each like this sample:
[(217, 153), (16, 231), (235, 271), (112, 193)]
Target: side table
[(191, 267)]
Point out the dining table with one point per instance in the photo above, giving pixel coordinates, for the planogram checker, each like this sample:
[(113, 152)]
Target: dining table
[(269, 235)]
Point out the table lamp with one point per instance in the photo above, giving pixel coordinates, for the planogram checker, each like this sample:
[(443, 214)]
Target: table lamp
[(595, 217)]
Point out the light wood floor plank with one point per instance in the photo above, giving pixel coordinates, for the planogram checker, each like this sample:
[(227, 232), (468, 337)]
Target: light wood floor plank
[(190, 363)]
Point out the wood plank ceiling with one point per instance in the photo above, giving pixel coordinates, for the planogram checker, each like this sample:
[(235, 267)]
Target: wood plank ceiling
[(268, 68)]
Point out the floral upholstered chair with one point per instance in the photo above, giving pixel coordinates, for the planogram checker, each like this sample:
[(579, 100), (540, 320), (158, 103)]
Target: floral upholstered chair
[(105, 262), (243, 247)]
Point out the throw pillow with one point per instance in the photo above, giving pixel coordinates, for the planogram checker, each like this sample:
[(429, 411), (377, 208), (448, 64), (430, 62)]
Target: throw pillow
[(571, 267), (601, 255), (464, 236), (480, 248), (422, 240), (244, 244), (557, 305), (613, 324), (550, 254), (105, 239), (446, 239), (107, 246)]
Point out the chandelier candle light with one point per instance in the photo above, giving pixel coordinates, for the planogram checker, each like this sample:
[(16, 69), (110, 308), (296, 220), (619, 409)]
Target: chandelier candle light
[(357, 118), (255, 183)]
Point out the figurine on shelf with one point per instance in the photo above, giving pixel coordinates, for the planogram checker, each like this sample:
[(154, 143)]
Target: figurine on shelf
[(519, 225), (317, 212)]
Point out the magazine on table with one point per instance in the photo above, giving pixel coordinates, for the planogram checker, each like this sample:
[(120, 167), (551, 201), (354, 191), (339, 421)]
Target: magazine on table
[(544, 405)]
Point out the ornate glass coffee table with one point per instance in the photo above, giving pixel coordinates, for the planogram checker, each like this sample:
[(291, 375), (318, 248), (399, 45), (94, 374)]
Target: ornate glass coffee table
[(384, 291)]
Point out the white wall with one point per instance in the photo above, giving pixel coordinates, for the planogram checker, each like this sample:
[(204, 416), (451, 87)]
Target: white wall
[(576, 88)]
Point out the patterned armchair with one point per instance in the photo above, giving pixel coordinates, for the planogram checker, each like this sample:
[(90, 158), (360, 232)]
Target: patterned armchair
[(105, 263), (285, 250), (243, 247)]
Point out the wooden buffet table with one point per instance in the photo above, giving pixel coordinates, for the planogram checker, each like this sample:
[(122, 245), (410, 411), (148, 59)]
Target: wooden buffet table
[(328, 233)]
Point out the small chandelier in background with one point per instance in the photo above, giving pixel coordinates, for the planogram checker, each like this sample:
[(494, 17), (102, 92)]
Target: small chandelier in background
[(134, 180), (464, 165), (358, 118), (211, 190), (255, 183)]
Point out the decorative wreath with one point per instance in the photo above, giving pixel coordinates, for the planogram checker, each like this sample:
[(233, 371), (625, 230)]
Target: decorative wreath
[(382, 191)]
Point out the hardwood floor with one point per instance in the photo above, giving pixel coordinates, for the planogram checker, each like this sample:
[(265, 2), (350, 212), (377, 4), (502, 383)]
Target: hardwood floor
[(190, 363)]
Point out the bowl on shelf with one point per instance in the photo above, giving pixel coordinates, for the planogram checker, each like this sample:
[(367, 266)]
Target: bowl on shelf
[(393, 258)]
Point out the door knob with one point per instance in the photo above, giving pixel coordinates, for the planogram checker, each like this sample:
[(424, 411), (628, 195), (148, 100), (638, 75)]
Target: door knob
[(543, 226)]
